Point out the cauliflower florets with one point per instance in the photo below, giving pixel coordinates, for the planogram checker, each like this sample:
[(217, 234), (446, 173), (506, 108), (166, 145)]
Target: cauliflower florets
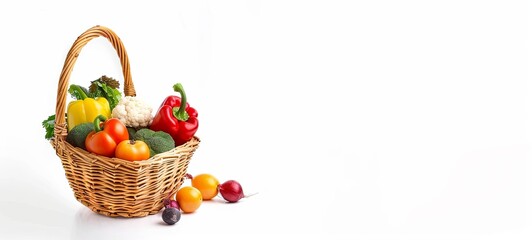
[(133, 112)]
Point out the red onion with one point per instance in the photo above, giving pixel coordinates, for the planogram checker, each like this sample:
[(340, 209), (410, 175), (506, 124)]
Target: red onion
[(169, 203), (231, 191)]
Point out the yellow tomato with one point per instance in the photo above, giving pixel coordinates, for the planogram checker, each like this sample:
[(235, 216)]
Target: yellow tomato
[(132, 150), (189, 199), (207, 184)]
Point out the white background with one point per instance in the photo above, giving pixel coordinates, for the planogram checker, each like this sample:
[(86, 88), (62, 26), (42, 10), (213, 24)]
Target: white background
[(351, 119)]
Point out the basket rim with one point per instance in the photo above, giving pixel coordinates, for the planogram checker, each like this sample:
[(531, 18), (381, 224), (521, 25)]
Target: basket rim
[(155, 159)]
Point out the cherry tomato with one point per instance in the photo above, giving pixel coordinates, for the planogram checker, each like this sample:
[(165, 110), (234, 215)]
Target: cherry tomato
[(207, 184), (189, 199), (132, 150)]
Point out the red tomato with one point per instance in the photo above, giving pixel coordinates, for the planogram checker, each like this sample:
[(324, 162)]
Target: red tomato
[(104, 141), (100, 143), (116, 129)]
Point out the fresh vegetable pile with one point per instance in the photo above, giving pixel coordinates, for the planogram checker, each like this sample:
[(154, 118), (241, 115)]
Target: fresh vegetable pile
[(102, 122)]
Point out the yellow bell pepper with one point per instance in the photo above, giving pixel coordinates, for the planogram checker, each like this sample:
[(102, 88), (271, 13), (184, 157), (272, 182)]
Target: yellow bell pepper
[(86, 110)]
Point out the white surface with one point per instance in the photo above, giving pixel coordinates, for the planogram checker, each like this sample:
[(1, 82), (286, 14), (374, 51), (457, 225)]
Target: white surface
[(352, 119)]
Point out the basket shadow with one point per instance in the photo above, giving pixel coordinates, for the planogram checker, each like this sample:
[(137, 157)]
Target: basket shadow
[(90, 225)]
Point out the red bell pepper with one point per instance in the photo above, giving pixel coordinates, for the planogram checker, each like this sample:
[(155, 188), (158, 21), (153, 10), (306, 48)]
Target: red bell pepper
[(176, 117), (104, 142)]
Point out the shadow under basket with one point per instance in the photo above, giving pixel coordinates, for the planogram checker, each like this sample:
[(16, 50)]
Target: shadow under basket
[(111, 186)]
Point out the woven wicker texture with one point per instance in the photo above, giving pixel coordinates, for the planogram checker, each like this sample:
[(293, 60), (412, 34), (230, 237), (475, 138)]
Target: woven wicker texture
[(112, 186)]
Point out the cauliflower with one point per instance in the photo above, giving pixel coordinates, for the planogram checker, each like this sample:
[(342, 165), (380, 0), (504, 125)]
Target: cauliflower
[(133, 112)]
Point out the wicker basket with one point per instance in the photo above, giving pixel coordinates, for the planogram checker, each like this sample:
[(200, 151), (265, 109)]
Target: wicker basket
[(112, 186)]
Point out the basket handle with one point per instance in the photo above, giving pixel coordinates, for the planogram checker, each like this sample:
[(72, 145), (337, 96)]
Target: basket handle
[(72, 56)]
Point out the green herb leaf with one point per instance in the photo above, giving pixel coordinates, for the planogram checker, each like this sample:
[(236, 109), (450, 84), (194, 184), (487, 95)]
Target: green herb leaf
[(100, 88), (48, 124), (112, 95)]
